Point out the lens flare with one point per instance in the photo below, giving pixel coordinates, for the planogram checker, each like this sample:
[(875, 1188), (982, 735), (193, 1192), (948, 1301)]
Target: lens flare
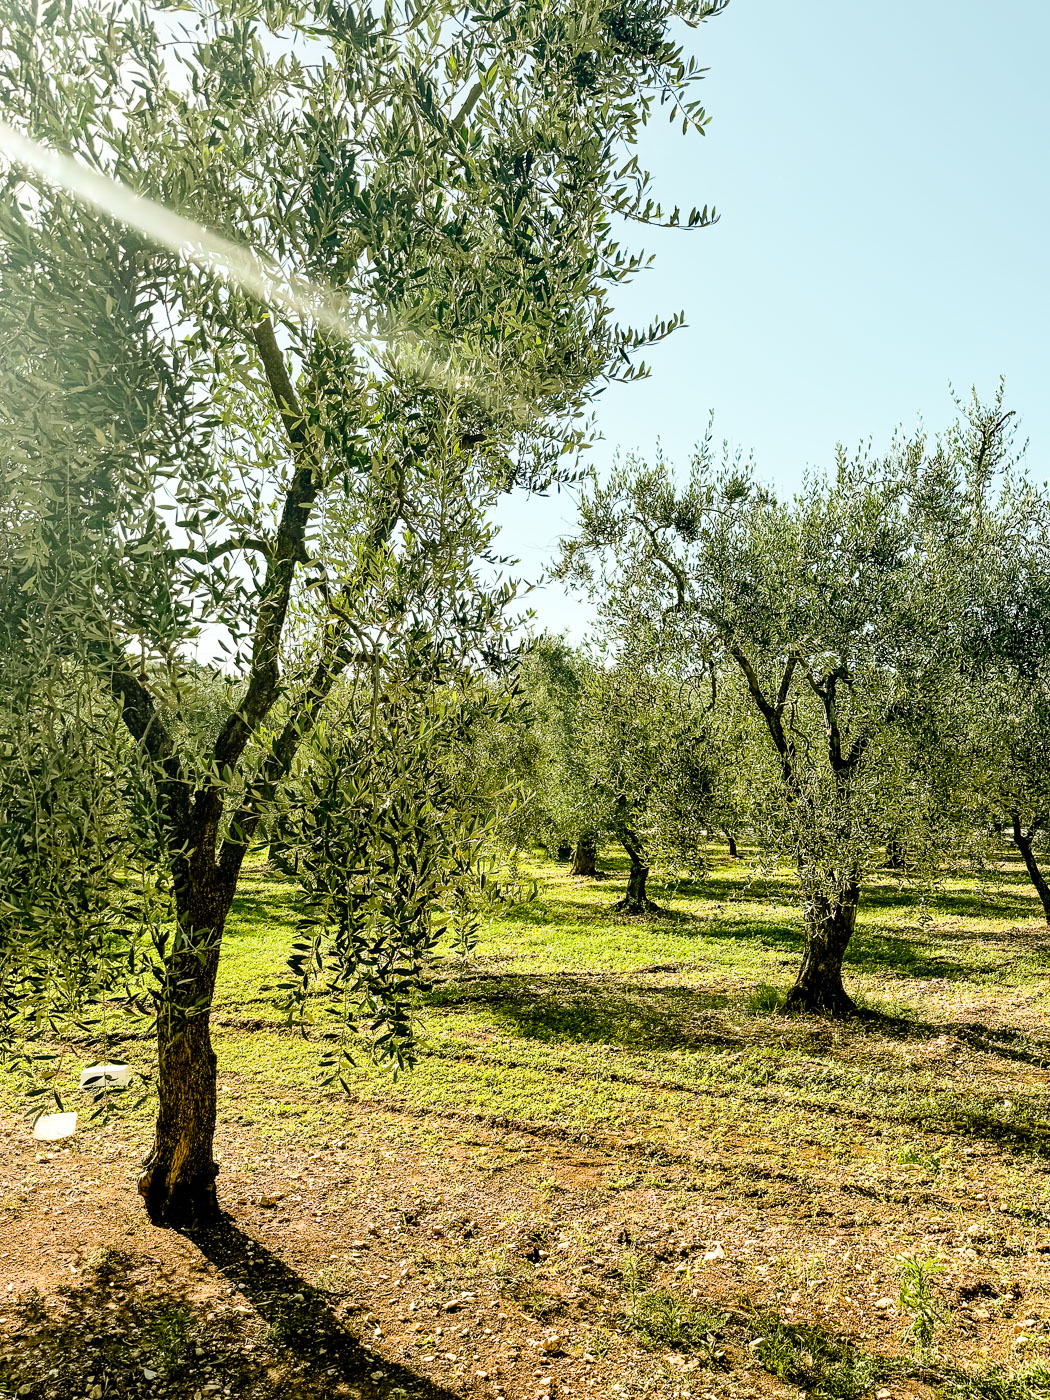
[(261, 277), (242, 267)]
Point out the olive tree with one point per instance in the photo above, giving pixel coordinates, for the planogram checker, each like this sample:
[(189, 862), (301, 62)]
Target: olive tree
[(840, 616), (1011, 728), (613, 751), (998, 732), (197, 459)]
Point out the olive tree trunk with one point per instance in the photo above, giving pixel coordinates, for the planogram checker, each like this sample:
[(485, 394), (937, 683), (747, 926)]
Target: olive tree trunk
[(635, 901), (829, 928), (1023, 842), (178, 1180), (585, 857)]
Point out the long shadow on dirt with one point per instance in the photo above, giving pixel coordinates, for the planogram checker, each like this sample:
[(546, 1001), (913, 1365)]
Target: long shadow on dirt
[(302, 1317), (140, 1337)]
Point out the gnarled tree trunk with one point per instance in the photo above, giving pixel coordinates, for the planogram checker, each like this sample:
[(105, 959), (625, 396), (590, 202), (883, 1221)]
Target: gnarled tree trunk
[(1023, 842), (635, 901), (829, 928), (585, 858), (731, 843), (178, 1180)]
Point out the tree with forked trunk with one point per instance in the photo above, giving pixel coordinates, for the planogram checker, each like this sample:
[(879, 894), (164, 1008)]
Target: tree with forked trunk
[(1006, 749), (834, 629), (274, 432)]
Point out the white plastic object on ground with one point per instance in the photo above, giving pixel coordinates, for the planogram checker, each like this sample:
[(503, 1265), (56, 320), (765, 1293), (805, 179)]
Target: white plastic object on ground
[(105, 1077), (51, 1127)]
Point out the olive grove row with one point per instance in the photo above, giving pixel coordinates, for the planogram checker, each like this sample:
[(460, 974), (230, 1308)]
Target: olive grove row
[(852, 677)]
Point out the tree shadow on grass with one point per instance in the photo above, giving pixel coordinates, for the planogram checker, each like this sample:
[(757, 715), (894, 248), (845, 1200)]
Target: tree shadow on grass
[(604, 1009), (869, 951), (141, 1337), (267, 907), (1019, 1131), (1005, 1042)]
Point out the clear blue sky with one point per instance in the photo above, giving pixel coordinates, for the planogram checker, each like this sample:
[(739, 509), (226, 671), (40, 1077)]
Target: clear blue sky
[(883, 180)]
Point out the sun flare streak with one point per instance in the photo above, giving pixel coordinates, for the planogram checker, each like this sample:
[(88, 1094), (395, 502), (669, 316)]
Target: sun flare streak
[(242, 267), (258, 275)]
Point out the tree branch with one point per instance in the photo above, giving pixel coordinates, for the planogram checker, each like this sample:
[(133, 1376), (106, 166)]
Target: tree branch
[(303, 718), (772, 714), (287, 550), (139, 713), (675, 570), (279, 380), (216, 551), (785, 684)]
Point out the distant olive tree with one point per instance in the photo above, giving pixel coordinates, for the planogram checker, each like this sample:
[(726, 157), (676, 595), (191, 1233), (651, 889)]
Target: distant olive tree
[(613, 751), (1016, 785), (842, 617), (998, 732)]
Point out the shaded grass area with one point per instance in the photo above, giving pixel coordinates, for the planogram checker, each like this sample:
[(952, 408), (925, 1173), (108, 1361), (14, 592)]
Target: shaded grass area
[(145, 1342), (647, 1064), (573, 1015)]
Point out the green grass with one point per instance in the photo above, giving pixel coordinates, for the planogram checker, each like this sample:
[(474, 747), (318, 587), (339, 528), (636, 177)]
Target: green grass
[(662, 1041), (585, 1019), (667, 1032)]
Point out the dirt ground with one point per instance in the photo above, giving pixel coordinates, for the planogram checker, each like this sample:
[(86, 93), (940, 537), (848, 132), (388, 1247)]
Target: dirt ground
[(451, 1254)]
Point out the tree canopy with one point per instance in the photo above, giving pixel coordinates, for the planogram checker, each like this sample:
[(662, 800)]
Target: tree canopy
[(844, 616), (196, 459)]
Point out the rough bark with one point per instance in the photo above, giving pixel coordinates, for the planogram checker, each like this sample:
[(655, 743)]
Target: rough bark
[(636, 900), (731, 842), (1023, 842), (178, 1179), (829, 927), (585, 856)]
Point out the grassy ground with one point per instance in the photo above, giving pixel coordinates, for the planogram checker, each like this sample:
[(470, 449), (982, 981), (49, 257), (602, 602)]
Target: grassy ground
[(616, 1170)]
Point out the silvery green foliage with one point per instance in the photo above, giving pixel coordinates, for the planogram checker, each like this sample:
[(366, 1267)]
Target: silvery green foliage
[(79, 898), (390, 861), (184, 471), (616, 747), (841, 628)]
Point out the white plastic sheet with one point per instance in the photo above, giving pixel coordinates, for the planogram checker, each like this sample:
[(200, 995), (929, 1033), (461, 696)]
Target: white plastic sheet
[(105, 1077), (52, 1127)]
